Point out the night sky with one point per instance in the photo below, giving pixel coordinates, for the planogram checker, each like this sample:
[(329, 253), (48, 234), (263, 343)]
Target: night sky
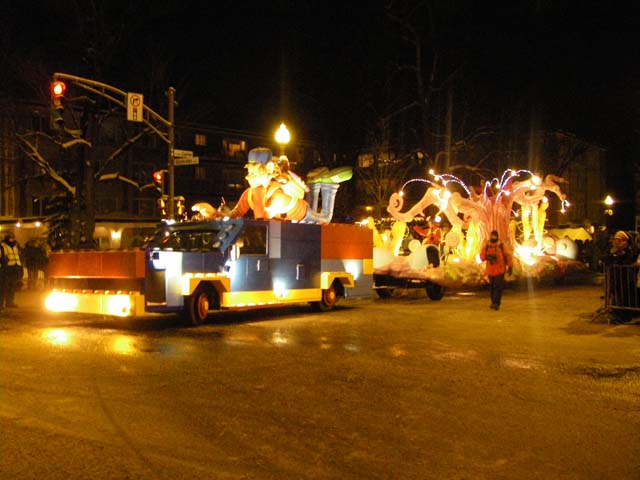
[(322, 65)]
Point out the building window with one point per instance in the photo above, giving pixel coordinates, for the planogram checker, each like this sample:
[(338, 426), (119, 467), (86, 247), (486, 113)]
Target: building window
[(233, 179), (201, 140), (200, 173), (234, 148), (365, 160)]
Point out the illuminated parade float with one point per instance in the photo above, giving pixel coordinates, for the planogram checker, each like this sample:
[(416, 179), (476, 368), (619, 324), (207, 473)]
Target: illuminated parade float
[(290, 252), (515, 205)]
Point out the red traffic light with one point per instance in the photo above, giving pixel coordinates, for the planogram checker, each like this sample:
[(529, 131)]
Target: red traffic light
[(158, 176), (58, 88)]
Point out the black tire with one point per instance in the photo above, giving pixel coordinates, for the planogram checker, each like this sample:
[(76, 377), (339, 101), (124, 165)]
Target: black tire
[(328, 301), (435, 291), (384, 292), (197, 305)]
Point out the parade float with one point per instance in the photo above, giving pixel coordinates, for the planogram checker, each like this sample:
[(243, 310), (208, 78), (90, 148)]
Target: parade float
[(515, 205), (288, 253)]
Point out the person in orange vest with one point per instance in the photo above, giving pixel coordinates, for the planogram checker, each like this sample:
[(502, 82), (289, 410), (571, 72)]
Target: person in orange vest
[(499, 261)]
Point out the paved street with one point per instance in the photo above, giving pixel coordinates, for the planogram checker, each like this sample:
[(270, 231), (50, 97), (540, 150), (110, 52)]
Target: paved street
[(403, 388)]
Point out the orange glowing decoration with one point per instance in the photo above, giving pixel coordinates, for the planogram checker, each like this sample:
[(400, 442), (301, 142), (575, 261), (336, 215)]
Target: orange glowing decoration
[(492, 209), (276, 192)]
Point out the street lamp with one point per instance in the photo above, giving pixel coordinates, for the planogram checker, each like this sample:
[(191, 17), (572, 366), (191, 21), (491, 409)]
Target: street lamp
[(608, 211), (282, 137)]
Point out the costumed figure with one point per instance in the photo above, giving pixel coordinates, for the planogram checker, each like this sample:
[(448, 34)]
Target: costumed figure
[(277, 192), (430, 235)]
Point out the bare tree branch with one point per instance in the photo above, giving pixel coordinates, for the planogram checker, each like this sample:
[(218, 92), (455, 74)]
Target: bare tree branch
[(121, 149), (73, 142), (122, 178), (32, 151)]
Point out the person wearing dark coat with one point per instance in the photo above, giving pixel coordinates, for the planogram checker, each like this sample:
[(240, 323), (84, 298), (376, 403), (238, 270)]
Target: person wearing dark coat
[(621, 274), (11, 272)]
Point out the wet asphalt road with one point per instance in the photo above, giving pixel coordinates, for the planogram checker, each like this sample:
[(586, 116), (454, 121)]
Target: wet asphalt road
[(404, 388)]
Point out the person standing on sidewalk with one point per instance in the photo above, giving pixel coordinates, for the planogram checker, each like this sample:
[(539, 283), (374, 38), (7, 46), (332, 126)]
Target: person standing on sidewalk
[(499, 261), (621, 275), (31, 254), (11, 272)]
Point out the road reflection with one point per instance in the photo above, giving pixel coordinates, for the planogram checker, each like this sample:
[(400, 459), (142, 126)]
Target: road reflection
[(132, 345), (58, 337), (123, 345)]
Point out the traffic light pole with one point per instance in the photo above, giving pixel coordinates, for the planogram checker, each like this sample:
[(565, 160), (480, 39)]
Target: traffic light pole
[(150, 118), (171, 211)]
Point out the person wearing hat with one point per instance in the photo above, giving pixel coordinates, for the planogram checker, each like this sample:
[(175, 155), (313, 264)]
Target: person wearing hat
[(620, 275), (621, 252), (499, 261)]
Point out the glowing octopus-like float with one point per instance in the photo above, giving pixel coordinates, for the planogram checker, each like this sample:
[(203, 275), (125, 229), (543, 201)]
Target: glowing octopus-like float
[(473, 214)]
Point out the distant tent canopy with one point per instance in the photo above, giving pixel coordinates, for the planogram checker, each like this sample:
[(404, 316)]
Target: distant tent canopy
[(574, 234)]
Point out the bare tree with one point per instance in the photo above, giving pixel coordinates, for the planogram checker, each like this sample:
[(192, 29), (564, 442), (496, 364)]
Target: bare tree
[(381, 170)]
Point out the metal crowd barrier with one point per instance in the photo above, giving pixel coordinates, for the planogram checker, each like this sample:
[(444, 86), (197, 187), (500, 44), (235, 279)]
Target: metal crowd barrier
[(621, 288)]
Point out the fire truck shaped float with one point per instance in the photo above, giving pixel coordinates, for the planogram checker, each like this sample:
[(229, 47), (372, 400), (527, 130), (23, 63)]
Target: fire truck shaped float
[(197, 267)]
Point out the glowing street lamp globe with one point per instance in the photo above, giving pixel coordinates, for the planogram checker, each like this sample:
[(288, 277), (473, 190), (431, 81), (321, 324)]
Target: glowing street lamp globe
[(608, 209), (282, 135)]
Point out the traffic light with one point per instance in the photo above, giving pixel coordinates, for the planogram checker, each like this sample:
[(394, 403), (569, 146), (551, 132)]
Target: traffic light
[(57, 106), (158, 179), (162, 206), (179, 208)]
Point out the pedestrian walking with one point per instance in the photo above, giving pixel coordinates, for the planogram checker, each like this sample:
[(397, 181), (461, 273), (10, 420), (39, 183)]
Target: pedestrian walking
[(499, 261), (12, 272)]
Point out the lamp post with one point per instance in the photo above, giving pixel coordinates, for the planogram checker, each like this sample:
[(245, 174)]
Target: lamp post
[(608, 210), (283, 137)]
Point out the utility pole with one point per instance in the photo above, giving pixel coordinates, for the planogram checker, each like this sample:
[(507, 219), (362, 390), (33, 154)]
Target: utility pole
[(171, 140)]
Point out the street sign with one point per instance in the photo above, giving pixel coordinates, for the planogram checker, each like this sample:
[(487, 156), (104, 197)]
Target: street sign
[(182, 153), (135, 105), (179, 161)]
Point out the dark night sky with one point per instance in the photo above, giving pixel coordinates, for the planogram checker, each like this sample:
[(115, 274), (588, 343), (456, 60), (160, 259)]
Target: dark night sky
[(318, 64), (240, 57)]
